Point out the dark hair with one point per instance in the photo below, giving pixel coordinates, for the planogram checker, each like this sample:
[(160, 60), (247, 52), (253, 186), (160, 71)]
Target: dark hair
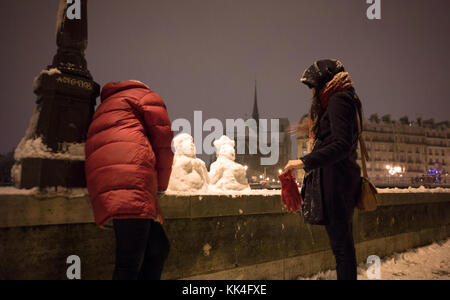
[(316, 112), (317, 76)]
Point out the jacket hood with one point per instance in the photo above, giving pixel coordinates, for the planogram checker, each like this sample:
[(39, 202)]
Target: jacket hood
[(321, 72), (115, 87)]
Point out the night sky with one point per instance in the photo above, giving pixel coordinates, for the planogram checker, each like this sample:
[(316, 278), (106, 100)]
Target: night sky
[(206, 54)]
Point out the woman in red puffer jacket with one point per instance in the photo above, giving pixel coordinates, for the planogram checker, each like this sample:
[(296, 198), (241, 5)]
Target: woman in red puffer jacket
[(128, 161)]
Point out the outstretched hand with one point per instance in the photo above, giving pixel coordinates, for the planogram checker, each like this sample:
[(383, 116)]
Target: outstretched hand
[(294, 165)]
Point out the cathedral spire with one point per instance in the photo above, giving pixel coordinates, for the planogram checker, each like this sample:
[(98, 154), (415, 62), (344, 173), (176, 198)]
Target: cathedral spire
[(255, 114)]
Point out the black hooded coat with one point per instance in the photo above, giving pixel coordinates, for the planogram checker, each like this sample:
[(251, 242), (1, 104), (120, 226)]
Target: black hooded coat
[(332, 183)]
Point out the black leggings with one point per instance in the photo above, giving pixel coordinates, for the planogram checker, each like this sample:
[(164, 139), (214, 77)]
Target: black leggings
[(343, 246), (142, 248)]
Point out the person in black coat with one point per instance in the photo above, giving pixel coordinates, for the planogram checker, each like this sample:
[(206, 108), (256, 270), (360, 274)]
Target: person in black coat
[(332, 182)]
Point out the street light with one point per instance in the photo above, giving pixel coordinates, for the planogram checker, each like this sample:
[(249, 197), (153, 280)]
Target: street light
[(395, 170)]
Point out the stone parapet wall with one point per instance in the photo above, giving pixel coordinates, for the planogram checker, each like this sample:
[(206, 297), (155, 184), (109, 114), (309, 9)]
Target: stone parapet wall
[(212, 237)]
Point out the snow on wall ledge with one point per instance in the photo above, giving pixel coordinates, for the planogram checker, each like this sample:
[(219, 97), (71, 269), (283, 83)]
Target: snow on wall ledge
[(421, 189), (62, 191)]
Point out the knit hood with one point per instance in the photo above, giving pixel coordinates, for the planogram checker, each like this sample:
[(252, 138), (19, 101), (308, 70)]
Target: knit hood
[(321, 72)]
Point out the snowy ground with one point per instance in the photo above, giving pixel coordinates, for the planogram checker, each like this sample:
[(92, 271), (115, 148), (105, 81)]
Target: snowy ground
[(428, 263)]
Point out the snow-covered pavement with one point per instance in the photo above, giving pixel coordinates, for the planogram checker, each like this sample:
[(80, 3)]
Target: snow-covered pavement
[(427, 263)]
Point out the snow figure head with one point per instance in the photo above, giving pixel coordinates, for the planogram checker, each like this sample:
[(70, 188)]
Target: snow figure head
[(183, 144), (225, 148), (189, 174)]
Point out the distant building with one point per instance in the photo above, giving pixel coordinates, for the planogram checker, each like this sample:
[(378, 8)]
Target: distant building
[(400, 151), (257, 172), (416, 148), (302, 136)]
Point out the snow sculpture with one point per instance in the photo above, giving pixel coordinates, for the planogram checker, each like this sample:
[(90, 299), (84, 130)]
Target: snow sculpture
[(189, 174), (226, 174)]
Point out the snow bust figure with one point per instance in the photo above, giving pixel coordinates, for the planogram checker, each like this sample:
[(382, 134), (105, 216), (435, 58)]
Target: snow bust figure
[(226, 174), (189, 174)]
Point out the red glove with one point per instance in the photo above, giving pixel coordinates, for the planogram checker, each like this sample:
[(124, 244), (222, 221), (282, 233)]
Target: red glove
[(290, 195)]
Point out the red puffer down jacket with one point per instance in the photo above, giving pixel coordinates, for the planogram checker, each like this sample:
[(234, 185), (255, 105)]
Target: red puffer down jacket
[(128, 153)]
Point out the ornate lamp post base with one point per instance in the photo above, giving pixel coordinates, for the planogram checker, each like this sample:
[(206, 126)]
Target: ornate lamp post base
[(43, 173), (52, 151)]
